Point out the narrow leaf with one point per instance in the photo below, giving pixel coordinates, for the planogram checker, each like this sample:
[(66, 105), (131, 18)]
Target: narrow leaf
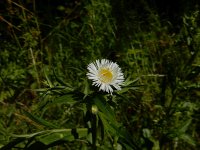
[(39, 121)]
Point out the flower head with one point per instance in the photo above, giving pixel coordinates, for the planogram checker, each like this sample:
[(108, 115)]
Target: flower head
[(105, 75)]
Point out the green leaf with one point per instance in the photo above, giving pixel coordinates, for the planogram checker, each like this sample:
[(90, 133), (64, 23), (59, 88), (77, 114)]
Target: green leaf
[(110, 124), (188, 139), (86, 89), (49, 136), (65, 99), (53, 137), (12, 144), (39, 121), (62, 134), (125, 138), (104, 108), (61, 81), (185, 126), (47, 78), (29, 135), (146, 133), (129, 82), (107, 126)]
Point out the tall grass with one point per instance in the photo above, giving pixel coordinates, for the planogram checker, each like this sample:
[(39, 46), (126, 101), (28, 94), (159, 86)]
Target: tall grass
[(48, 103)]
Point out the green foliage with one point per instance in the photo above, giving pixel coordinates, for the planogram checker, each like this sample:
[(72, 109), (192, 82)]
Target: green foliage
[(47, 102)]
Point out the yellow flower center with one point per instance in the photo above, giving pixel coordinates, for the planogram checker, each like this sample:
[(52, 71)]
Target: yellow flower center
[(105, 75)]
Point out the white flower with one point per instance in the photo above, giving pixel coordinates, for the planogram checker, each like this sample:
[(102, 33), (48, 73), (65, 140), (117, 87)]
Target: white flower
[(105, 75)]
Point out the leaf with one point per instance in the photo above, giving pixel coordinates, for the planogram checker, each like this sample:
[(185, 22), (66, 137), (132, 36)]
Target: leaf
[(65, 99), (12, 144), (156, 145), (29, 135), (86, 89), (104, 108), (62, 134), (39, 121), (146, 133), (129, 82), (126, 139), (188, 139), (47, 137), (125, 89), (47, 78), (61, 81), (185, 126), (107, 126), (110, 124), (53, 137)]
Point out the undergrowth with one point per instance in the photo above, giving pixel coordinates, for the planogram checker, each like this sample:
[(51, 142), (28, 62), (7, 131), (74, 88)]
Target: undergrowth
[(48, 103)]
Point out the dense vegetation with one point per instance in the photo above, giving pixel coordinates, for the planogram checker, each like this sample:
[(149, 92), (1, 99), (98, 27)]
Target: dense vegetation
[(47, 101)]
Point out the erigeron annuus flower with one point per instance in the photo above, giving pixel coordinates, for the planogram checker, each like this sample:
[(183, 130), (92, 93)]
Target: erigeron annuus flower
[(106, 75)]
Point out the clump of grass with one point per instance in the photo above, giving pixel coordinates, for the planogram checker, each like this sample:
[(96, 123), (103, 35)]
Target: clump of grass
[(48, 101)]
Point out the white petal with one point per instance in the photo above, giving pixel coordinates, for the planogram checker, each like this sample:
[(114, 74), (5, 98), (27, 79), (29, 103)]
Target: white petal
[(93, 74)]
